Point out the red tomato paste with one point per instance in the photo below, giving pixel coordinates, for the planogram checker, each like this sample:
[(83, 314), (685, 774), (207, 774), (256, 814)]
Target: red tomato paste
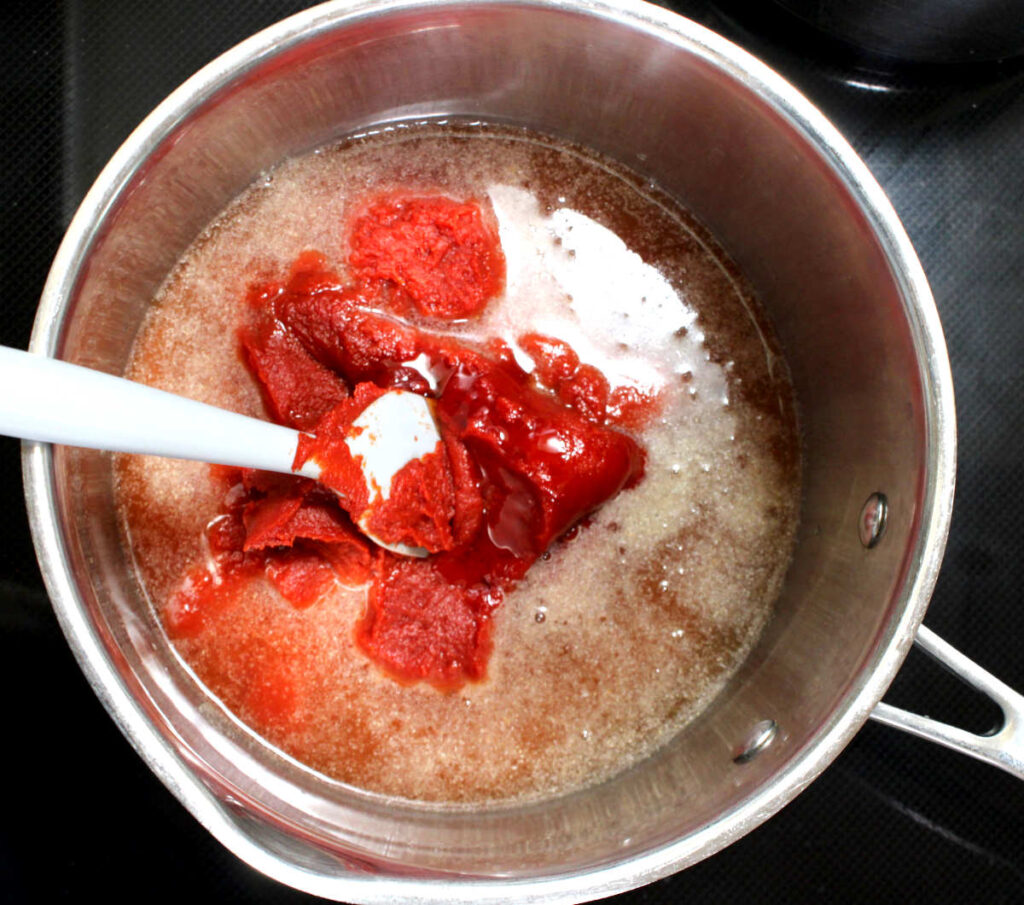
[(438, 256), (522, 458)]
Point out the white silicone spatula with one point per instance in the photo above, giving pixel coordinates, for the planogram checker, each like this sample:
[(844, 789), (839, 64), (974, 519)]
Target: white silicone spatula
[(57, 402)]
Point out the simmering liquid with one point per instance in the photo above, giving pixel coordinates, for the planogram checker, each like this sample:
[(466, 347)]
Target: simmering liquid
[(625, 629)]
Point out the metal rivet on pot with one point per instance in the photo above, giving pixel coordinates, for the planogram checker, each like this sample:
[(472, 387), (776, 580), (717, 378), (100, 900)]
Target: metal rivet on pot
[(761, 736), (872, 519)]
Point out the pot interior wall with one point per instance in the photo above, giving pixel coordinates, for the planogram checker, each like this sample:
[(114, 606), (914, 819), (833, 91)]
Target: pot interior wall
[(774, 202)]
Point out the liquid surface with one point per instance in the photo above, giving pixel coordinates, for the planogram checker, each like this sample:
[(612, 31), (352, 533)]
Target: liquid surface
[(625, 629)]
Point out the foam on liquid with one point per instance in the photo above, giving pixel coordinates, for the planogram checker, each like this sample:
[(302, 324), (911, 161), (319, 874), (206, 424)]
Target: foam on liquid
[(619, 636)]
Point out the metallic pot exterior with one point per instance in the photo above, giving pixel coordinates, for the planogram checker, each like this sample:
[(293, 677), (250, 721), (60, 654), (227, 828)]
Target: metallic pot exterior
[(804, 220)]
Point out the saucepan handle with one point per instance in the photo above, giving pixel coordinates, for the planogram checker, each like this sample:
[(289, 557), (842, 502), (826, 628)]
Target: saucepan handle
[(1003, 747)]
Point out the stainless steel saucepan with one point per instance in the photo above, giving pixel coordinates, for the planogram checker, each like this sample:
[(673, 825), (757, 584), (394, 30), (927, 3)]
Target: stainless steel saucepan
[(810, 227)]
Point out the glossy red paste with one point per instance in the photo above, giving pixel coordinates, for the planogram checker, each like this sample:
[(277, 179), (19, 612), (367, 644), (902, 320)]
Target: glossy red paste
[(523, 457)]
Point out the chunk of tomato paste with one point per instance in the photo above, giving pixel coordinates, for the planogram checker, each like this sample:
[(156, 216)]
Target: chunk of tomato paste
[(297, 389), (431, 254), (288, 529), (543, 466), (421, 625), (583, 387)]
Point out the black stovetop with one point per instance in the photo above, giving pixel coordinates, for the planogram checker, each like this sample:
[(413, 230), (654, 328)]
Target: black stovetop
[(894, 818)]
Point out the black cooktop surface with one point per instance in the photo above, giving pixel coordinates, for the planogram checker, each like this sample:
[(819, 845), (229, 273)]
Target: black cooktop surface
[(894, 818)]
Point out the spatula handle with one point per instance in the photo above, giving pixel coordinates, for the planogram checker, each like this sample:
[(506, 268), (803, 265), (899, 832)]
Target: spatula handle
[(56, 402)]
